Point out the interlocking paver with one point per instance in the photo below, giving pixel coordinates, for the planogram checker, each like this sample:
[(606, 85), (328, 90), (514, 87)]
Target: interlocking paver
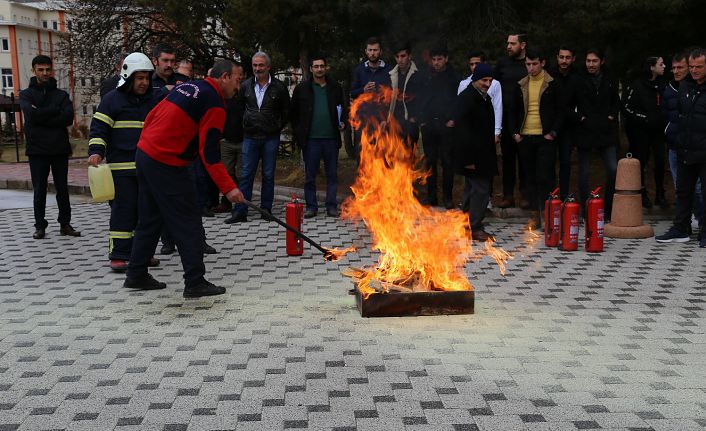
[(562, 341)]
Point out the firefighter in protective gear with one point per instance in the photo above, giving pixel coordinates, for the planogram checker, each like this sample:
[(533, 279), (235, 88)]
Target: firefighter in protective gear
[(115, 129)]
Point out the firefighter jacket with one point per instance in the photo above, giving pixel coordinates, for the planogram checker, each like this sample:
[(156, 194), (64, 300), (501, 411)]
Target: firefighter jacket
[(188, 124), (117, 125)]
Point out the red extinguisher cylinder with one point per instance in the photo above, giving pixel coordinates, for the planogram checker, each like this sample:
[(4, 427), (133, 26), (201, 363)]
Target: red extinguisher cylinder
[(570, 224), (594, 222), (294, 216), (552, 222)]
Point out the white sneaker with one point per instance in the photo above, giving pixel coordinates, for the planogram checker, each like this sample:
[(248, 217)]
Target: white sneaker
[(694, 223)]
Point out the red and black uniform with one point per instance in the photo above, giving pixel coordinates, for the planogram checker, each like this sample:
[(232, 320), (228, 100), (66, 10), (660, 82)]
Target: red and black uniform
[(187, 124), (115, 130)]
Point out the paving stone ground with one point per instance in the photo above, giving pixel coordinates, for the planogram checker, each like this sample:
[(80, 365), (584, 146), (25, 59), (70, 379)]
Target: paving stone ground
[(562, 341)]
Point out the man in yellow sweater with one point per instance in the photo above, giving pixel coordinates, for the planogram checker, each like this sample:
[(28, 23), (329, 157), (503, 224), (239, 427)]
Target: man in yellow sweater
[(535, 124)]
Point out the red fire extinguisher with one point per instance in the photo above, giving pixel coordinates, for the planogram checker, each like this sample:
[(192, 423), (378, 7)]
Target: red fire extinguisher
[(594, 222), (294, 216), (570, 224), (552, 219)]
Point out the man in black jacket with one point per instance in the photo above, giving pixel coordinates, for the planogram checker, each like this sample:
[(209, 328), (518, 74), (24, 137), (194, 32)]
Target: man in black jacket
[(596, 120), (691, 149), (318, 115), (535, 125), (437, 124), (265, 101), (475, 147), (47, 112), (509, 71)]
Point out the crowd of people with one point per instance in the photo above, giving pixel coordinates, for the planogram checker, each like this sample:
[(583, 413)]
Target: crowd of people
[(174, 142)]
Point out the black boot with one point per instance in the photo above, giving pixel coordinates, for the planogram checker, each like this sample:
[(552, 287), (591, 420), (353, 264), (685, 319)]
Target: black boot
[(146, 282), (203, 288)]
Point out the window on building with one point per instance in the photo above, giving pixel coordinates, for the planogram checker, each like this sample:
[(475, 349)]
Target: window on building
[(85, 110), (55, 25), (70, 25), (83, 81), (93, 81), (45, 24), (6, 78), (4, 44)]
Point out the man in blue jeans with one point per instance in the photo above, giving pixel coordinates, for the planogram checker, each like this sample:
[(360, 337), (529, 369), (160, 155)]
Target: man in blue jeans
[(318, 115), (265, 103)]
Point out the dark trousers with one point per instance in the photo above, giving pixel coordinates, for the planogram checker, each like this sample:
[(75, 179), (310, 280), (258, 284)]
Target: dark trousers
[(314, 151), (538, 156), (644, 142), (123, 217), (565, 145), (476, 194), (167, 197), (39, 167), (610, 163), (510, 162), (687, 176), (254, 150), (438, 146), (206, 190)]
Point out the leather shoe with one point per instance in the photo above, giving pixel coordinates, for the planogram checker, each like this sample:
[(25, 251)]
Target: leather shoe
[(507, 202), (240, 218), (146, 282), (203, 288), (482, 236), (310, 214), (118, 265), (167, 249), (153, 262), (68, 230), (332, 212), (205, 212), (207, 249), (39, 233)]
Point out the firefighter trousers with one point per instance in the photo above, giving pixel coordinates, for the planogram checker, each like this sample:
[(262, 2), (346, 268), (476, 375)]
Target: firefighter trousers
[(123, 216)]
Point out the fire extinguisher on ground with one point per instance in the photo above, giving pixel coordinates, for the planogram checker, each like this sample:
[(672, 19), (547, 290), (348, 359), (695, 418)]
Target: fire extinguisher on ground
[(552, 219), (570, 224), (594, 222), (294, 216)]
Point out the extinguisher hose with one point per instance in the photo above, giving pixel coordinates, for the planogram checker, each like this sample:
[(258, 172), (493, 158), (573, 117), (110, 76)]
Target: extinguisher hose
[(296, 232)]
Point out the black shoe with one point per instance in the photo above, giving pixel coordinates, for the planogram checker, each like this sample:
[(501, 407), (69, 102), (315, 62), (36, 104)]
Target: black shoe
[(310, 213), (39, 233), (205, 212), (204, 288), (240, 218), (167, 249), (207, 249), (68, 230), (267, 214), (332, 212), (146, 282)]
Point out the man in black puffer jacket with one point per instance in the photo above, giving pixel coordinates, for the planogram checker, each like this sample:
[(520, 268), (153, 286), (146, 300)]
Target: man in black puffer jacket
[(265, 103), (691, 149), (47, 112)]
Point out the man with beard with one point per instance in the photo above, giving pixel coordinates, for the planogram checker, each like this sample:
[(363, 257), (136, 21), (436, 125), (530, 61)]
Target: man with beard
[(318, 115), (405, 81), (475, 148), (115, 130), (440, 88), (567, 76), (509, 71)]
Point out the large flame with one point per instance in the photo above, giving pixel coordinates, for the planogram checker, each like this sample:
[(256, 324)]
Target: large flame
[(420, 247)]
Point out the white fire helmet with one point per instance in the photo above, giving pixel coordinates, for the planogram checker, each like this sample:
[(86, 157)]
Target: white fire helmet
[(135, 62)]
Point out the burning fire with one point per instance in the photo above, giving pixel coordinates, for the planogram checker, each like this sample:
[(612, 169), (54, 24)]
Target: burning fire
[(422, 248), (333, 254)]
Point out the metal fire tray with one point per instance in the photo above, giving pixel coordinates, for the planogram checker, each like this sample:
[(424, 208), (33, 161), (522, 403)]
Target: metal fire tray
[(431, 303)]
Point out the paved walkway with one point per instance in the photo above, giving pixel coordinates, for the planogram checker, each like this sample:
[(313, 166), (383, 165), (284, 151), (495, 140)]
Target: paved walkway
[(563, 341)]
